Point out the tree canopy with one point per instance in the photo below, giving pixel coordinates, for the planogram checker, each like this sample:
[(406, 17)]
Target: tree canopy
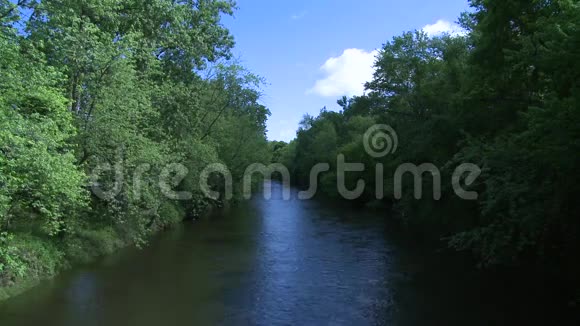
[(504, 96), (106, 95)]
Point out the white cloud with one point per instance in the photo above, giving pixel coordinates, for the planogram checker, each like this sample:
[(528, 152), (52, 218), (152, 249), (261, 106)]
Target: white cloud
[(346, 74), (443, 27)]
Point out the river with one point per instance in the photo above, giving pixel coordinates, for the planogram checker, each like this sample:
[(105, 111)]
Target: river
[(264, 262)]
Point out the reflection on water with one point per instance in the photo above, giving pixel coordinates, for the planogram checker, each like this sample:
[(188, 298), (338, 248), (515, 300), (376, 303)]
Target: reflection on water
[(266, 262), (313, 268)]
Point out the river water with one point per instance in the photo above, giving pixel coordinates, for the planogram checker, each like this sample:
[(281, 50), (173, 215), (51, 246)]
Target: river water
[(264, 262)]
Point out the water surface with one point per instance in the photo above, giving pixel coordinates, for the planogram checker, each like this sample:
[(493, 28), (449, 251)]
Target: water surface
[(265, 262)]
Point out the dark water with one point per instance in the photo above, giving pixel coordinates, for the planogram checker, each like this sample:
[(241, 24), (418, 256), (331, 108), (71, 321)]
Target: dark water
[(266, 262)]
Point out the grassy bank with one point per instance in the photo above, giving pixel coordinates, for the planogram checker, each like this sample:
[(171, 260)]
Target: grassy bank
[(27, 258)]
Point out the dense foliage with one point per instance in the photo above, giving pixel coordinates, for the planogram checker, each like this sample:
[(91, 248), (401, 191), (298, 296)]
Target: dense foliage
[(99, 97), (504, 96), (106, 95)]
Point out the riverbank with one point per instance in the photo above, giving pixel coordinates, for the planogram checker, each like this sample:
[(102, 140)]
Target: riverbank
[(43, 258)]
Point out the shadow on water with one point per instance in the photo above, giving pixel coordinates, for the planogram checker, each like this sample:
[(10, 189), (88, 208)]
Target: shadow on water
[(268, 262)]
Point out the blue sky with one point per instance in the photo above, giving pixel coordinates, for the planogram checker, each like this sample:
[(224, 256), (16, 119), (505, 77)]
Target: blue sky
[(311, 52)]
